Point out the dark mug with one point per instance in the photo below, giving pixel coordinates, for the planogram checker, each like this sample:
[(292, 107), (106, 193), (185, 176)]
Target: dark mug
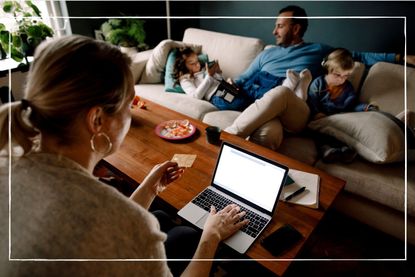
[(213, 134)]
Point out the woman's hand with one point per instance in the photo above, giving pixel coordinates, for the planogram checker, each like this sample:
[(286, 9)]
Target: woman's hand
[(159, 177), (221, 225), (163, 174)]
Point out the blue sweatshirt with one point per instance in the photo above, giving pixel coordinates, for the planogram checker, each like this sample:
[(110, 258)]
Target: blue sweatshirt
[(319, 99), (276, 60)]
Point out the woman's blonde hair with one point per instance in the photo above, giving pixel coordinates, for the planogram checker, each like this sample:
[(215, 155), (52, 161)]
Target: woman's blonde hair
[(69, 75), (338, 59)]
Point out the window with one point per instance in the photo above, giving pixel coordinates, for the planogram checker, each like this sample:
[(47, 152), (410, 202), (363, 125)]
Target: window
[(55, 14)]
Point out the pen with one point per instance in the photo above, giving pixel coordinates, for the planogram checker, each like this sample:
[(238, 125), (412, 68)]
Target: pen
[(295, 193)]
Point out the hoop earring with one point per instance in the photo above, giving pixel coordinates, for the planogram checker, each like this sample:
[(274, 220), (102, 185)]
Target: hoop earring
[(101, 134)]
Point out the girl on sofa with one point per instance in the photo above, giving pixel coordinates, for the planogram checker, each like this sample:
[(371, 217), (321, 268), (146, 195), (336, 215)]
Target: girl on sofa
[(206, 82)]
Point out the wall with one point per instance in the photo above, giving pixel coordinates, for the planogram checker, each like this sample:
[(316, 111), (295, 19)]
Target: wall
[(381, 35), (156, 27), (86, 26)]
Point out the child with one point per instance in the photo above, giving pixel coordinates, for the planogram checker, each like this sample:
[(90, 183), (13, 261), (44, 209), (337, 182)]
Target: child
[(330, 94), (206, 83)]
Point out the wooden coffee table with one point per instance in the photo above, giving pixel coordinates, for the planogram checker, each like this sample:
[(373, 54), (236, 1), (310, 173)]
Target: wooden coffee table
[(142, 149)]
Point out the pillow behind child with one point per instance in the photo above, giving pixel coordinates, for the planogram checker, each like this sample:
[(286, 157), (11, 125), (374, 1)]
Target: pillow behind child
[(373, 135), (169, 80)]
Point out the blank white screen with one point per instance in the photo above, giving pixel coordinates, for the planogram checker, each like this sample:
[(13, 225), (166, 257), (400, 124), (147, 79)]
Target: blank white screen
[(249, 177)]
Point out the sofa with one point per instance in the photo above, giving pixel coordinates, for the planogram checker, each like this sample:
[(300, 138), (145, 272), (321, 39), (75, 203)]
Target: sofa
[(377, 181)]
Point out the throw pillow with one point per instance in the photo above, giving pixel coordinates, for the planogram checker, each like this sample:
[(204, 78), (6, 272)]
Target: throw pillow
[(373, 135), (169, 80), (154, 70)]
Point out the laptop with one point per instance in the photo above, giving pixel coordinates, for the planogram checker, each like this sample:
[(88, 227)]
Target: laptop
[(246, 179)]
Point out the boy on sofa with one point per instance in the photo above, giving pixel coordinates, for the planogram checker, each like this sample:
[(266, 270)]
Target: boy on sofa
[(332, 93)]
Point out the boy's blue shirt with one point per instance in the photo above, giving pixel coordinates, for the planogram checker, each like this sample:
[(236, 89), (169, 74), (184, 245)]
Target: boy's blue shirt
[(319, 99)]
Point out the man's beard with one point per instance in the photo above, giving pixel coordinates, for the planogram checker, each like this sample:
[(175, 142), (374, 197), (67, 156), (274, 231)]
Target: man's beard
[(286, 40)]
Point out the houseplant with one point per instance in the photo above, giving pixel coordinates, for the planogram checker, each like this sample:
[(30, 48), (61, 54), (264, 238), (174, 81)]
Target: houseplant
[(26, 30), (125, 32)]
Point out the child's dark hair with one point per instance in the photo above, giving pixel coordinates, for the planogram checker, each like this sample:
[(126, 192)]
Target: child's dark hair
[(180, 68)]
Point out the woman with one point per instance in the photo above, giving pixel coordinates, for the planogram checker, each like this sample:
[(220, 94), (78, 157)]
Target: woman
[(76, 111)]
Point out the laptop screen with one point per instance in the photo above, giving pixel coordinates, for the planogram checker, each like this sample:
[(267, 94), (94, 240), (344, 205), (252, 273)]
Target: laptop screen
[(249, 176)]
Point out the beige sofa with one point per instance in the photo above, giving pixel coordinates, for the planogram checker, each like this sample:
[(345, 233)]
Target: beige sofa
[(374, 193)]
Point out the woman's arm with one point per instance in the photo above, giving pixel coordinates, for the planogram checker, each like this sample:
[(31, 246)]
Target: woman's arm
[(158, 178)]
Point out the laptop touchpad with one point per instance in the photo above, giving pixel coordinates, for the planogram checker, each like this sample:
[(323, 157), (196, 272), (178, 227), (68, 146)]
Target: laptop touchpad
[(201, 222)]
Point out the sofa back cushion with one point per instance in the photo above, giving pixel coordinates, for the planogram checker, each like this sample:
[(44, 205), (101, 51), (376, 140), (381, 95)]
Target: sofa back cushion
[(384, 86), (234, 53)]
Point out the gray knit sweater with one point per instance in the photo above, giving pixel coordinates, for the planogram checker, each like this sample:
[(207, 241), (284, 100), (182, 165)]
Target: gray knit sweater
[(59, 211)]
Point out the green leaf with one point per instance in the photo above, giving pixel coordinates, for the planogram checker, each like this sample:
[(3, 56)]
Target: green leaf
[(16, 55), (34, 31), (17, 41), (4, 37), (2, 27), (34, 8), (8, 6), (46, 30), (115, 23)]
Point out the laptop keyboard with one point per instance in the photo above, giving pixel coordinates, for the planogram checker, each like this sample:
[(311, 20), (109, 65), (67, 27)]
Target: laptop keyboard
[(208, 198)]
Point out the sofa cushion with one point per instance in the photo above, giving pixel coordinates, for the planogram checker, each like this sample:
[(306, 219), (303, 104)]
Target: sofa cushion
[(300, 148), (154, 70), (138, 64), (181, 103), (234, 53), (384, 86), (380, 183), (269, 135), (357, 75), (374, 136), (221, 119)]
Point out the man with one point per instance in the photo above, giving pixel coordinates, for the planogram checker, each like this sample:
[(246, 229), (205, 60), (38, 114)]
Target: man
[(293, 53), (263, 78)]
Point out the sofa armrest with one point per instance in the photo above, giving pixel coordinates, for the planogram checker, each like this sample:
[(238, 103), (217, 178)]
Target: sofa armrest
[(138, 64)]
